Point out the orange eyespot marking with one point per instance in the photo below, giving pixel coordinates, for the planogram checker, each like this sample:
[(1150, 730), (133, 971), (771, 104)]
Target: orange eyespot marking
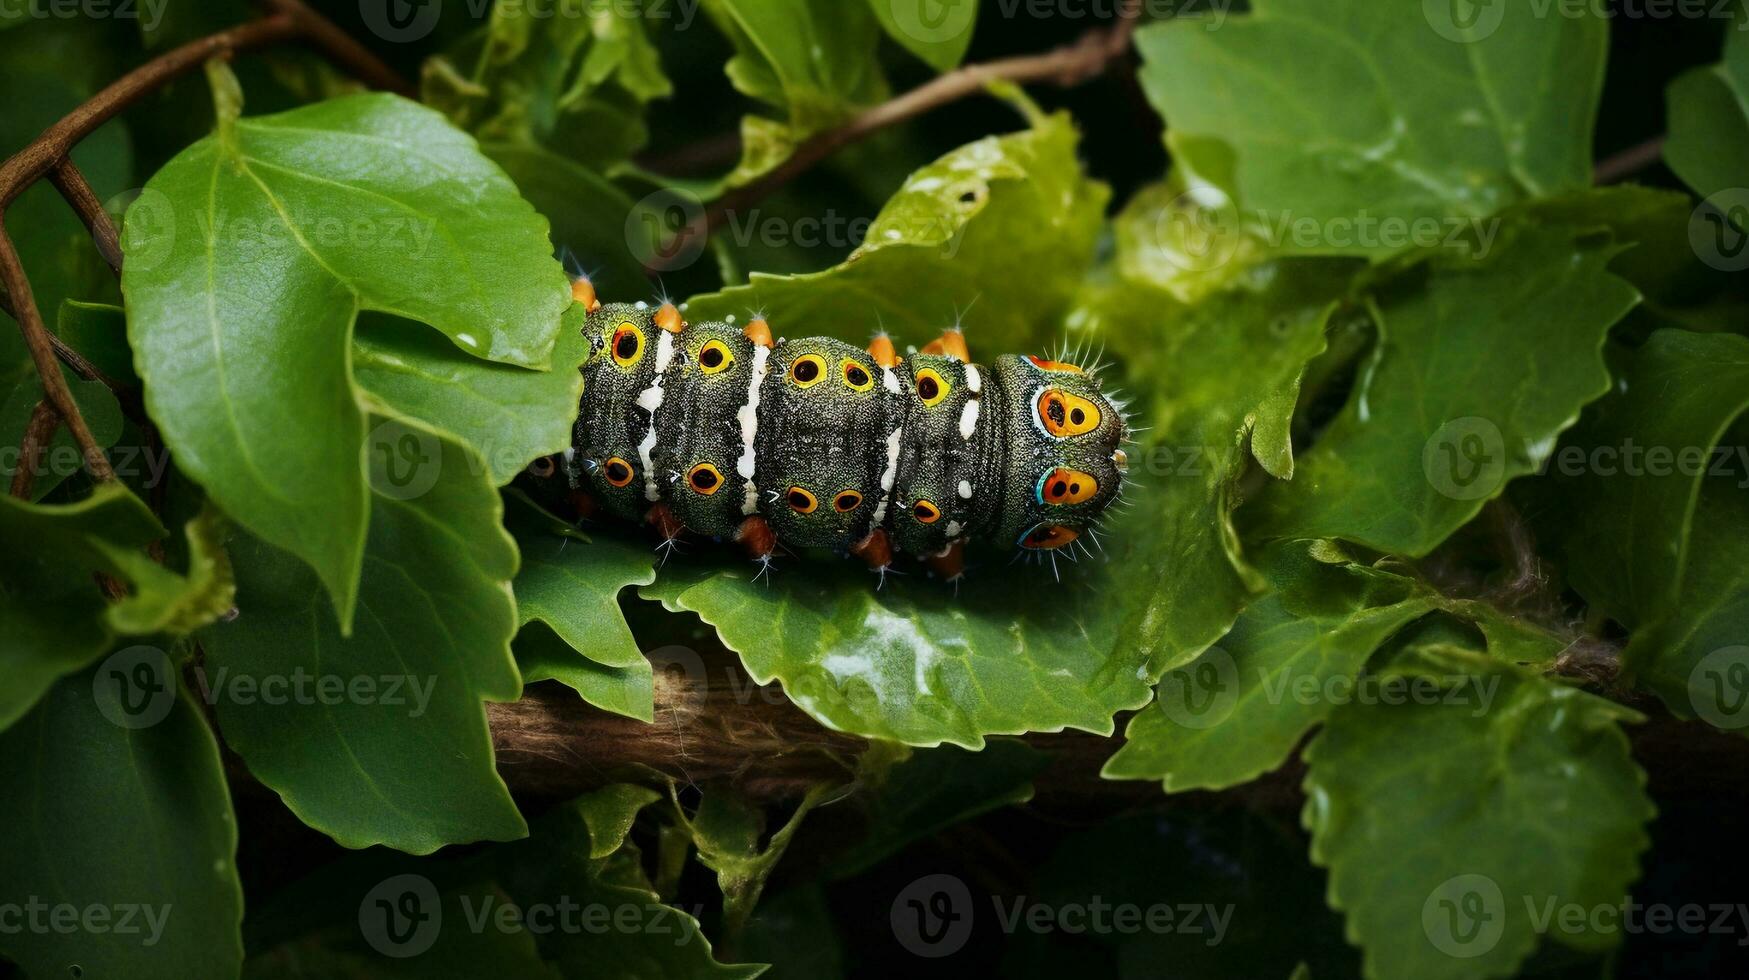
[(1066, 486), (627, 344), (704, 478), (668, 318), (855, 376), (583, 291), (1047, 537), (1064, 415), (801, 501), (807, 370), (1044, 365), (925, 512), (931, 387), (714, 357), (618, 472), (846, 501)]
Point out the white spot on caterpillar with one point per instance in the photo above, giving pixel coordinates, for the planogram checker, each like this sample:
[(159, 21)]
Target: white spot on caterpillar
[(969, 419), (748, 416), (965, 489), (974, 380), (953, 531), (889, 474), (890, 381), (650, 399)]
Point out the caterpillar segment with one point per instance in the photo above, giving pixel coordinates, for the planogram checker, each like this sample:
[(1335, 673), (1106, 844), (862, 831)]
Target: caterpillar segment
[(719, 429)]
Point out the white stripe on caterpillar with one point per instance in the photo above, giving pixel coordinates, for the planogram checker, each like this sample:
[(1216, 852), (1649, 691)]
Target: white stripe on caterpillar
[(650, 399), (748, 416), (889, 474)]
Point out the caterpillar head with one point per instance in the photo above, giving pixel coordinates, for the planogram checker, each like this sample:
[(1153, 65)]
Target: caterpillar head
[(1064, 463)]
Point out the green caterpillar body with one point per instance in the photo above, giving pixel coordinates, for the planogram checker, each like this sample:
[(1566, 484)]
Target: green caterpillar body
[(718, 425)]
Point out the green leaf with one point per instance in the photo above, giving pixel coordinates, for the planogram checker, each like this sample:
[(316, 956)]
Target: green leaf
[(727, 829), (588, 214), (1474, 376), (1645, 510), (1337, 111), (811, 60), (509, 415), (1450, 832), (1708, 108), (267, 238), (1240, 709), (949, 243), (52, 611), (935, 789), (99, 331), (120, 825), (570, 585), (937, 34), (380, 737)]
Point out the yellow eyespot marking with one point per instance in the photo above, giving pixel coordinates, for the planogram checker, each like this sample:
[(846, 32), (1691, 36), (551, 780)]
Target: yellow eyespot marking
[(1047, 537), (807, 370), (846, 501), (855, 376), (925, 512), (931, 387), (1066, 486), (704, 478), (801, 501), (714, 357), (618, 472), (1064, 415), (1044, 365), (627, 344)]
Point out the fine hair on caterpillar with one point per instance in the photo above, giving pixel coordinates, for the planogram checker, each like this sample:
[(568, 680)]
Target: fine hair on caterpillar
[(724, 430)]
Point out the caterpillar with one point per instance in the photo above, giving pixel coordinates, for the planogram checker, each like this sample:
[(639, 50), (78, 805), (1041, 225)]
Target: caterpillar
[(717, 429)]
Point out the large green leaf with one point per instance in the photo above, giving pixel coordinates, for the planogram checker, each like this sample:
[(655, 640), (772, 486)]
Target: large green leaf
[(948, 244), (509, 415), (1645, 509), (53, 615), (1451, 834), (1478, 368), (588, 214), (268, 237), (1344, 112), (380, 737), (570, 583), (1708, 145), (120, 840)]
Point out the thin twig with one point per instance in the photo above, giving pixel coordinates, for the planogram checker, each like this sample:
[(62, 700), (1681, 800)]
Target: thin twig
[(1628, 162), (71, 183), (44, 420), (1066, 67)]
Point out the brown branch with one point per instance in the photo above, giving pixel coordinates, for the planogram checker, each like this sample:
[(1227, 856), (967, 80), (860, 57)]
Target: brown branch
[(1067, 66), (1628, 162), (44, 420), (71, 183)]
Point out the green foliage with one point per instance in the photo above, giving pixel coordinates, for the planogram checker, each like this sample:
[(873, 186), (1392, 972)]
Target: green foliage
[(1709, 117), (119, 814)]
